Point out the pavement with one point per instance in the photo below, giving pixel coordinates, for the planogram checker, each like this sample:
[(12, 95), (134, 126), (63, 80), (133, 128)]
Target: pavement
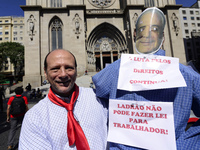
[(83, 81)]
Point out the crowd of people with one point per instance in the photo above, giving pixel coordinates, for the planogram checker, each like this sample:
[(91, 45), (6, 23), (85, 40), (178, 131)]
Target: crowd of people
[(73, 117)]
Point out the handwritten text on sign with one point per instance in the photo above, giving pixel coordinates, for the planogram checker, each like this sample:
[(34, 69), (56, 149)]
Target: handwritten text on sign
[(148, 72), (148, 125)]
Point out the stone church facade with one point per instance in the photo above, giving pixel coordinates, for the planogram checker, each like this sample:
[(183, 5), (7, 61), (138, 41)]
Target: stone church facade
[(97, 32)]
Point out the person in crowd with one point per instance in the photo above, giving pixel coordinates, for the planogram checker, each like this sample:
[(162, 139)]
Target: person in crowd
[(17, 107), (149, 38), (28, 87), (38, 93), (33, 94), (2, 98), (69, 117)]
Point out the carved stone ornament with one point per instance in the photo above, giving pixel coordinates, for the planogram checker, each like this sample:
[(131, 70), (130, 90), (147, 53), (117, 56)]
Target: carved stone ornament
[(105, 45), (31, 26), (77, 20), (175, 22), (101, 3)]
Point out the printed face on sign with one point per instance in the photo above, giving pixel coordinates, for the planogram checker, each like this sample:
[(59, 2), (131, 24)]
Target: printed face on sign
[(149, 31)]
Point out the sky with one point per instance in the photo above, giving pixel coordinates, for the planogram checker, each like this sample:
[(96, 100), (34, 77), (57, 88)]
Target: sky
[(12, 7)]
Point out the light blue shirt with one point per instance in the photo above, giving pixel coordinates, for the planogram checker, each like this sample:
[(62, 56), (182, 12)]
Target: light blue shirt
[(45, 125), (184, 99)]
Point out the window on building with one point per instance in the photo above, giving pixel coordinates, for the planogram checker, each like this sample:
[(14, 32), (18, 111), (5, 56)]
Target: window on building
[(21, 38), (184, 18), (6, 21), (56, 33), (183, 12), (6, 27), (189, 54), (21, 27), (149, 3), (187, 37), (1, 33), (56, 3), (186, 31), (15, 33), (191, 12), (6, 33), (194, 30), (0, 21), (6, 38), (21, 32), (198, 24), (193, 25), (0, 27), (15, 27), (0, 38), (6, 68), (198, 18), (15, 21), (192, 18), (197, 12), (15, 38), (21, 21), (185, 25), (188, 44)]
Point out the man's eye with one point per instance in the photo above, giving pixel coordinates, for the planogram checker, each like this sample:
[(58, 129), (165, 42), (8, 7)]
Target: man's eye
[(141, 29), (154, 29), (69, 68), (54, 69)]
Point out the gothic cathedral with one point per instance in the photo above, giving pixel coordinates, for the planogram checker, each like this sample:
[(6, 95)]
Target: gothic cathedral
[(97, 32)]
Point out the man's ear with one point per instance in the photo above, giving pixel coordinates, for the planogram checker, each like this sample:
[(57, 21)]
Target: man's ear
[(45, 74)]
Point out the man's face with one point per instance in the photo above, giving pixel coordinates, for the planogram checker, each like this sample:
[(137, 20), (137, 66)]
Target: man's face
[(61, 72), (149, 34)]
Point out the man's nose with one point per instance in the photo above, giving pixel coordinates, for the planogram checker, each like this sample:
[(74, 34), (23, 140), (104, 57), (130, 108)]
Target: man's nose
[(147, 32), (63, 73)]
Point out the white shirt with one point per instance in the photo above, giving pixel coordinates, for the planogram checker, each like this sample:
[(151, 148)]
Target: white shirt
[(45, 125)]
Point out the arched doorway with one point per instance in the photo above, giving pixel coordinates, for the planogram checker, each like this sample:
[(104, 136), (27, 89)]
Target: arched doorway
[(105, 45)]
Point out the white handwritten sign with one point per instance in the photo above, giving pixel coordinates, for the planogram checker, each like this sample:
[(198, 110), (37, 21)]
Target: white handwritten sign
[(148, 72), (148, 125)]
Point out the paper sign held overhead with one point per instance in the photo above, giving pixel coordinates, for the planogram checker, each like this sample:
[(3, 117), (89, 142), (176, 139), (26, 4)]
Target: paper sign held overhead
[(149, 72)]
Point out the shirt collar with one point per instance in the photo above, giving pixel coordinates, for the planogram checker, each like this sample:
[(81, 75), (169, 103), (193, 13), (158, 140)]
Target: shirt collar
[(160, 52), (65, 99)]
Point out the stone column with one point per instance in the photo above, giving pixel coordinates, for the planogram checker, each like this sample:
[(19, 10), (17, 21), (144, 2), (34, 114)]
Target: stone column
[(111, 52), (32, 46), (101, 60)]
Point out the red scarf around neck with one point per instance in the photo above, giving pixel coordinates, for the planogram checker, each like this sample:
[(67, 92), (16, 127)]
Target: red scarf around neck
[(74, 131)]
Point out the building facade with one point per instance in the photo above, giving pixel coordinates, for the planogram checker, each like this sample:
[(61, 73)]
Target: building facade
[(190, 21), (97, 32), (11, 30)]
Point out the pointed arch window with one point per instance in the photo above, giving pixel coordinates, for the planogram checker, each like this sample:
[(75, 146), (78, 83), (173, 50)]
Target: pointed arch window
[(56, 3), (56, 34)]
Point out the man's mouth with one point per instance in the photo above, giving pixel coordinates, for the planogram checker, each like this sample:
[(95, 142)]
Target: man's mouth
[(63, 82), (146, 43)]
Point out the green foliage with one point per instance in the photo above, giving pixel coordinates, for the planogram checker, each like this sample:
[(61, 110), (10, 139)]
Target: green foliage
[(14, 51)]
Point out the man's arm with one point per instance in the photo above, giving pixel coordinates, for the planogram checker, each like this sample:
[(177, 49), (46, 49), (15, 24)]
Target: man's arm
[(8, 113), (26, 102), (32, 135), (26, 107)]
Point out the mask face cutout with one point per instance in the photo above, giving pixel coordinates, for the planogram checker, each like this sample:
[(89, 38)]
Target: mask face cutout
[(149, 31)]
